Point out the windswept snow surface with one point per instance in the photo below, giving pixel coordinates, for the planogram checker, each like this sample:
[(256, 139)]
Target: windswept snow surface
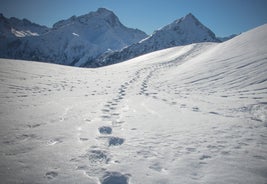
[(188, 114)]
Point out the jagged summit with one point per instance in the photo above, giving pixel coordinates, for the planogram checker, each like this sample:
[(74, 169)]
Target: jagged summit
[(95, 39), (190, 16), (186, 30), (73, 41), (12, 28), (97, 17), (183, 31), (104, 11), (107, 15)]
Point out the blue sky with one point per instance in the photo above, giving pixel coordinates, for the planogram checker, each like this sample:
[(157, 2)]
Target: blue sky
[(223, 17)]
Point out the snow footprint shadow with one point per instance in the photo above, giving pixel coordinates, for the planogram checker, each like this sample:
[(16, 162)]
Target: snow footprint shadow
[(105, 130), (51, 175), (115, 178), (115, 141)]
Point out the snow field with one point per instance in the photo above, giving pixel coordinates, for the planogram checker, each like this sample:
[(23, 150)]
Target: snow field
[(191, 114)]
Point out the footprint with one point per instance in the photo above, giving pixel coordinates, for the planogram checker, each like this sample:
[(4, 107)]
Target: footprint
[(51, 174), (25, 137), (122, 91), (215, 113), (54, 141), (195, 109), (84, 139), (260, 157), (82, 167), (203, 157), (115, 178), (33, 125), (120, 97), (114, 104), (157, 167), (105, 110), (115, 141), (105, 117), (105, 130), (191, 149), (97, 156)]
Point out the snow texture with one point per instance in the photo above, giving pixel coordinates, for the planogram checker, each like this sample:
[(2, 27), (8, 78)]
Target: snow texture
[(188, 114)]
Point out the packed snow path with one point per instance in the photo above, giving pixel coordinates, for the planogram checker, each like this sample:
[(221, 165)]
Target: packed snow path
[(192, 114)]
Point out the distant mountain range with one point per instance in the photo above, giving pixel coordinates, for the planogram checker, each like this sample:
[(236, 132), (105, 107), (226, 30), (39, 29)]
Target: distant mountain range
[(93, 40), (70, 42), (183, 31)]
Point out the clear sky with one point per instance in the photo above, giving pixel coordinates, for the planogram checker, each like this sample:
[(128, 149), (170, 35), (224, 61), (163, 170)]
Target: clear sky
[(223, 17)]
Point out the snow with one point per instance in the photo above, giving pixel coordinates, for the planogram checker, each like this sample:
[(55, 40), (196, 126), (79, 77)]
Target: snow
[(184, 31), (75, 34), (23, 33), (14, 27), (74, 41), (187, 114)]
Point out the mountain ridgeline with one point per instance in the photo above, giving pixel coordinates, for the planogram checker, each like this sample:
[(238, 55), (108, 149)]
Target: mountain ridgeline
[(183, 31), (93, 40), (69, 42)]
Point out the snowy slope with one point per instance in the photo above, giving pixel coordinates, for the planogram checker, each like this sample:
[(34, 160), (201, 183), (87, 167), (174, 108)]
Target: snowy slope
[(188, 114), (184, 31), (73, 41)]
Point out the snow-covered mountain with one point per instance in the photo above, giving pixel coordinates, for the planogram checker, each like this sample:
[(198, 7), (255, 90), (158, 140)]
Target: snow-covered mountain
[(188, 114), (183, 31), (13, 33), (70, 42), (13, 28)]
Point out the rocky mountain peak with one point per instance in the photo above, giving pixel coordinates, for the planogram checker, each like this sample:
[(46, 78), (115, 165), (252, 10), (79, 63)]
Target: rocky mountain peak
[(97, 17), (183, 31)]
